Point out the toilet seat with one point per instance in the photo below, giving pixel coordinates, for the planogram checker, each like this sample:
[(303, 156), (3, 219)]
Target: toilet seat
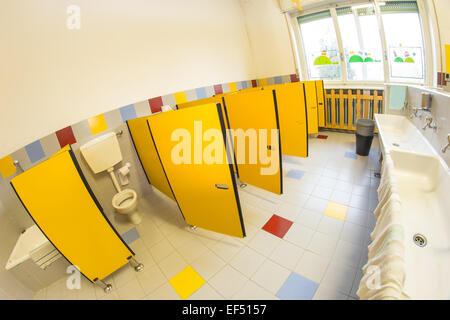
[(124, 201)]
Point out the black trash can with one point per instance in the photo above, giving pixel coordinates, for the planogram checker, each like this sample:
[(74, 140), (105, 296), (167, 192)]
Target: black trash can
[(364, 135)]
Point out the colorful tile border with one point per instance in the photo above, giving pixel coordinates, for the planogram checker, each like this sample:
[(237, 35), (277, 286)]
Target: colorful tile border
[(44, 147)]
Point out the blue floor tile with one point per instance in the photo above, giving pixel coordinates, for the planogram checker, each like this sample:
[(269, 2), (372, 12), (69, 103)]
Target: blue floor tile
[(351, 155), (296, 174), (297, 287), (130, 236)]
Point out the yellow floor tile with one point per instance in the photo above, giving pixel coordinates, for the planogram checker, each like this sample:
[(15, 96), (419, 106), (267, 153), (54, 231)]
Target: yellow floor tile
[(187, 282), (7, 167), (97, 124), (336, 210)]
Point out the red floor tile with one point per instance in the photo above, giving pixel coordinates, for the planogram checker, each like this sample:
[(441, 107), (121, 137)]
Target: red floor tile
[(277, 226), (321, 136)]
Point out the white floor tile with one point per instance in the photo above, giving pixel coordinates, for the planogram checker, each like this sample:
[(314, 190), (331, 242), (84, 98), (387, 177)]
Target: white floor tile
[(150, 279), (299, 235), (161, 250), (264, 242), (227, 248), (208, 264), (325, 293), (322, 244), (342, 197), (205, 292), (192, 250), (164, 292), (330, 226), (339, 277), (252, 291), (288, 211), (247, 261), (322, 192), (316, 204), (355, 234), (271, 276), (348, 253), (228, 281), (309, 219), (359, 202), (287, 255), (131, 291), (172, 265), (312, 266)]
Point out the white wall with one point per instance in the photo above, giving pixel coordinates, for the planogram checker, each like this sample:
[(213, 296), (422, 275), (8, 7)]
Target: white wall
[(125, 52), (443, 12), (269, 38)]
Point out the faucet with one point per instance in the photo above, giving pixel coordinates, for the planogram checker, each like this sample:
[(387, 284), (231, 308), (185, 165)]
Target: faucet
[(429, 121), (444, 148)]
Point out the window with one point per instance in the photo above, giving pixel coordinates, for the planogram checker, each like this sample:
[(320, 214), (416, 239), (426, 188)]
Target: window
[(361, 43), (404, 40), (357, 43), (321, 47)]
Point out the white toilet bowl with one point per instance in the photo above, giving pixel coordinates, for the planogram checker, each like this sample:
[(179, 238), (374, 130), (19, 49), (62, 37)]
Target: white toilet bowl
[(125, 202)]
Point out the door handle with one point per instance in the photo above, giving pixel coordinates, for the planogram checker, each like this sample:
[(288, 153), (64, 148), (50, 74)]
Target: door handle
[(269, 147), (221, 186)]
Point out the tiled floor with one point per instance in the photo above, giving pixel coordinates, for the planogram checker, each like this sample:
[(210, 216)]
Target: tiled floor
[(309, 243)]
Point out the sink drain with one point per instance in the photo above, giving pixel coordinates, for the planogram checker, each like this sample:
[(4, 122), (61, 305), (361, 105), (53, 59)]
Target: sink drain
[(420, 240), (395, 144)]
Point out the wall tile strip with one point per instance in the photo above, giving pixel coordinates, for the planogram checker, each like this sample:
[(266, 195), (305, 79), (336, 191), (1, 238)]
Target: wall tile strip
[(155, 104), (65, 136), (7, 167), (128, 113), (97, 124), (83, 130), (218, 89), (35, 151)]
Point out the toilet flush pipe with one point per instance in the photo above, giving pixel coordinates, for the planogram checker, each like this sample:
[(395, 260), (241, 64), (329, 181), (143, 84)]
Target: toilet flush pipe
[(114, 179)]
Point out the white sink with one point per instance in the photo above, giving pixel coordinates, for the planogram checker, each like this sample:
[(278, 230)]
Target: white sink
[(398, 133), (423, 186), (31, 239)]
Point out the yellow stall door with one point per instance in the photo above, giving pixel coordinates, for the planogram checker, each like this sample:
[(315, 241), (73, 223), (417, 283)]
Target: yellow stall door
[(62, 206), (145, 148), (292, 114), (320, 102), (311, 104), (190, 144), (218, 98), (253, 117)]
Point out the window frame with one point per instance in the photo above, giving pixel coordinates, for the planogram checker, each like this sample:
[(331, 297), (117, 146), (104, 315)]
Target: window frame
[(426, 36)]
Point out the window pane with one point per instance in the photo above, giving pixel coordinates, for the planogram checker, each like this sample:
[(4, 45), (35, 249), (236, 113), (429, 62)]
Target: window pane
[(362, 50), (404, 40), (320, 45)]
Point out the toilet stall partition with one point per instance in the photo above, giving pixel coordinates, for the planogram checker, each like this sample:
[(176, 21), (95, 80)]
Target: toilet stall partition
[(255, 113), (57, 197), (292, 112), (345, 106), (146, 151), (198, 167), (320, 93), (312, 105)]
